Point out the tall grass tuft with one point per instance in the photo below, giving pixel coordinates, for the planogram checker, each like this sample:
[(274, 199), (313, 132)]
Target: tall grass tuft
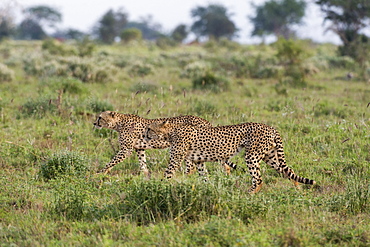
[(64, 163)]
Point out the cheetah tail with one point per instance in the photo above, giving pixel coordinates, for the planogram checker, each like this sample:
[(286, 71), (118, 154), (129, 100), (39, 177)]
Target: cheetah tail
[(301, 180)]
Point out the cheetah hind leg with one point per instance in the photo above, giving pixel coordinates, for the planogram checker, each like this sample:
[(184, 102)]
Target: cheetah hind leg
[(228, 165), (142, 162), (272, 159), (253, 163)]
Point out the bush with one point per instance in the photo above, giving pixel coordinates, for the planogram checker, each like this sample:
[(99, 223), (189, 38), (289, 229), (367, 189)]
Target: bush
[(212, 82), (344, 62), (85, 47), (66, 84), (55, 47), (195, 69), (144, 87), (65, 163), (292, 55), (140, 69), (99, 106), (38, 107), (131, 34), (204, 108), (6, 74)]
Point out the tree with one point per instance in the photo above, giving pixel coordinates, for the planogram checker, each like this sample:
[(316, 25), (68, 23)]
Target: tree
[(69, 33), (212, 21), (277, 17), (347, 19), (7, 24), (6, 27), (149, 29), (37, 18), (111, 25), (30, 30), (44, 15), (179, 33)]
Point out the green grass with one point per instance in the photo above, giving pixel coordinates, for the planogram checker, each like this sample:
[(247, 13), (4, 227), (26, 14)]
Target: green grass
[(49, 151)]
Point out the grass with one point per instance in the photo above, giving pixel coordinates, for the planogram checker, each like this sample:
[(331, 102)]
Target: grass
[(46, 125)]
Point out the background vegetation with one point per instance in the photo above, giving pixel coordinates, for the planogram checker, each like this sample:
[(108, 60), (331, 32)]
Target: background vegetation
[(51, 93)]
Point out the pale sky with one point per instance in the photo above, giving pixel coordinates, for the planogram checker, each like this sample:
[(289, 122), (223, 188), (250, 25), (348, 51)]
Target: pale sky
[(83, 14)]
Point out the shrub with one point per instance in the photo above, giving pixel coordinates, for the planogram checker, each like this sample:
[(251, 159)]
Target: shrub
[(64, 163), (55, 47), (72, 85), (204, 108), (6, 74), (164, 42), (87, 70), (144, 87), (85, 47), (99, 106), (195, 69), (211, 81), (131, 34), (140, 69), (344, 62), (292, 55), (38, 107), (33, 65), (66, 84)]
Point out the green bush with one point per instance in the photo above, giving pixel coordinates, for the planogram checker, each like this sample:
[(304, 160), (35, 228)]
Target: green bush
[(140, 69), (204, 108), (144, 87), (344, 62), (86, 47), (64, 163), (54, 47), (6, 74), (292, 55), (131, 34), (38, 107), (195, 69), (98, 106), (210, 81)]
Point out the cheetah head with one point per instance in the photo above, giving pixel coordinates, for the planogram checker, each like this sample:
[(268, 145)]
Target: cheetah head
[(157, 131), (107, 119)]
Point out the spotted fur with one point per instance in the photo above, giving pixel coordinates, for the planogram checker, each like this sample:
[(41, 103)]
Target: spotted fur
[(130, 128), (261, 142)]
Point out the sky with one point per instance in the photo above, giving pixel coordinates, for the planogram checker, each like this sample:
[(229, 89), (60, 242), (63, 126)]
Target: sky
[(83, 14)]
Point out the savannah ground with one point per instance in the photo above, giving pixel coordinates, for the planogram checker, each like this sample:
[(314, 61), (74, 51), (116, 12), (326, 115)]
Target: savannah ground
[(50, 95)]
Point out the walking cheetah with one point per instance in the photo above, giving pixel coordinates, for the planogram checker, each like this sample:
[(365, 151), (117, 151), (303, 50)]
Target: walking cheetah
[(130, 128), (261, 142)]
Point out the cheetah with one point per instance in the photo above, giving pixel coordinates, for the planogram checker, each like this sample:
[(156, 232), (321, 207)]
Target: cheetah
[(260, 141), (130, 128)]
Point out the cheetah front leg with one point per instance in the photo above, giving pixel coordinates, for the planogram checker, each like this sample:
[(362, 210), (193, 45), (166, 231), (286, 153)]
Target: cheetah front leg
[(118, 158), (126, 146), (177, 155), (202, 170)]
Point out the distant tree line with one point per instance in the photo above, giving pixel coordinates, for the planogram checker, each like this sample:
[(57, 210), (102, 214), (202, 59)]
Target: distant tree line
[(274, 17)]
